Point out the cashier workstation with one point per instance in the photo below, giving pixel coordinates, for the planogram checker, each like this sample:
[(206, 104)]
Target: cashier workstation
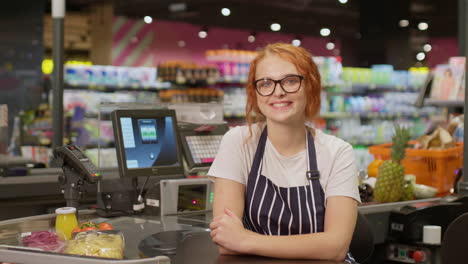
[(164, 216)]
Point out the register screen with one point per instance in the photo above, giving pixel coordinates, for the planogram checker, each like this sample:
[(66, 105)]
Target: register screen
[(149, 142)]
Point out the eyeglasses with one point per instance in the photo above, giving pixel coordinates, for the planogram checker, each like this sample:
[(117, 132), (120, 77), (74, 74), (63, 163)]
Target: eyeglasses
[(289, 84)]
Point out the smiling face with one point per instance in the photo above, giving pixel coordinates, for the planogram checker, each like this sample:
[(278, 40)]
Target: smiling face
[(280, 107)]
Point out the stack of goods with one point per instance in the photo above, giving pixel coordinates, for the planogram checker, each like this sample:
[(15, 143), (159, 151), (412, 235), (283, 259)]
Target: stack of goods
[(181, 72), (384, 75), (233, 65), (234, 102), (119, 77), (192, 95), (386, 105), (330, 69)]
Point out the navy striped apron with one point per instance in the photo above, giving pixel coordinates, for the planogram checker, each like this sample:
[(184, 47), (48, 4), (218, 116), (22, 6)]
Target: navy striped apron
[(273, 210)]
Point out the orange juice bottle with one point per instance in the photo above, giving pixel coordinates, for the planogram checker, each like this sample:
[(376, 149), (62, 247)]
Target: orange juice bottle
[(65, 221)]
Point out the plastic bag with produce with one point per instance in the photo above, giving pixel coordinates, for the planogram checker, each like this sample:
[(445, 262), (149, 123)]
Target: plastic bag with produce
[(105, 244), (44, 240), (89, 225)]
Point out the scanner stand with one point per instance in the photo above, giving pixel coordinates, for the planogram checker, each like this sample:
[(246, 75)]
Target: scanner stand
[(71, 184), (117, 201)]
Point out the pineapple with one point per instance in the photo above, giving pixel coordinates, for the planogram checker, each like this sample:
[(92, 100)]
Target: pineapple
[(390, 180), (408, 188)]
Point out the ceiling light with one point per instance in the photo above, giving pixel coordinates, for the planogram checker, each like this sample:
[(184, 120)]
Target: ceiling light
[(296, 42), (177, 7), (330, 45), (423, 26), (325, 32), (275, 27), (251, 38), (343, 1), (427, 47), (202, 34), (420, 56), (226, 11), (148, 19), (403, 23), (181, 43)]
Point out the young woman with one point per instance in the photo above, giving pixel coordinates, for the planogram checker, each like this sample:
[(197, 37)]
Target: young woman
[(282, 188)]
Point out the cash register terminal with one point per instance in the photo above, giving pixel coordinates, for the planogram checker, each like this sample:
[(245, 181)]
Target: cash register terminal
[(148, 145)]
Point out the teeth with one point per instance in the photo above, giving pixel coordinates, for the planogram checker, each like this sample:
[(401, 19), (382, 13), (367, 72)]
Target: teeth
[(281, 105)]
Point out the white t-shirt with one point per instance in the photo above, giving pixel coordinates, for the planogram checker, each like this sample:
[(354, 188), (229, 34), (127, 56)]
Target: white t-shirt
[(335, 162)]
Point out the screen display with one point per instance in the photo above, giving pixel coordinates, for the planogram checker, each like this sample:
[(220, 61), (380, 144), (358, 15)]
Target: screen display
[(148, 131), (149, 142), (192, 198)]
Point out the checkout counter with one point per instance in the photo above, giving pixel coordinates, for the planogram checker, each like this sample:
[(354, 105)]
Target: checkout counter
[(173, 227)]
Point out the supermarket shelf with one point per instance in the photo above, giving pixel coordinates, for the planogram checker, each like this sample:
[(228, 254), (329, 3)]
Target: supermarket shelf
[(451, 103), (113, 88), (337, 115), (368, 88), (234, 115), (225, 80)]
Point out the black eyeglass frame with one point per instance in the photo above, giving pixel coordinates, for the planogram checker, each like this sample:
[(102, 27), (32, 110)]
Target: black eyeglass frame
[(301, 78)]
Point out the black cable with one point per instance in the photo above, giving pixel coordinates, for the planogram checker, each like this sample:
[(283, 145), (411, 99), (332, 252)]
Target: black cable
[(457, 179), (140, 197)]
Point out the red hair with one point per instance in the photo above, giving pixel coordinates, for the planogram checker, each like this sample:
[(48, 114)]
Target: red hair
[(302, 59)]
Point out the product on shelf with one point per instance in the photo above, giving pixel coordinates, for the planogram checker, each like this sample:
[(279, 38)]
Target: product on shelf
[(119, 77), (181, 72), (234, 102), (449, 80), (376, 131), (230, 55), (384, 76), (91, 100), (330, 69), (191, 95), (233, 65), (385, 105)]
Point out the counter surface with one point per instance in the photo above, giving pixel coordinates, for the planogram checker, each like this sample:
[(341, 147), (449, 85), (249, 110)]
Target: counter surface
[(194, 247)]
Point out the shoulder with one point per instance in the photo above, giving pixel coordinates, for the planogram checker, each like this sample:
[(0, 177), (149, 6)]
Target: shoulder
[(243, 135), (331, 142)]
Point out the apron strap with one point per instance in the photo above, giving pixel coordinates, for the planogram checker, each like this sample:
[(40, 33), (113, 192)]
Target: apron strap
[(313, 175)]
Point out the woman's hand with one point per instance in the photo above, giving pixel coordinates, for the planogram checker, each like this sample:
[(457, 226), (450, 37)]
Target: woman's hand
[(228, 232)]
